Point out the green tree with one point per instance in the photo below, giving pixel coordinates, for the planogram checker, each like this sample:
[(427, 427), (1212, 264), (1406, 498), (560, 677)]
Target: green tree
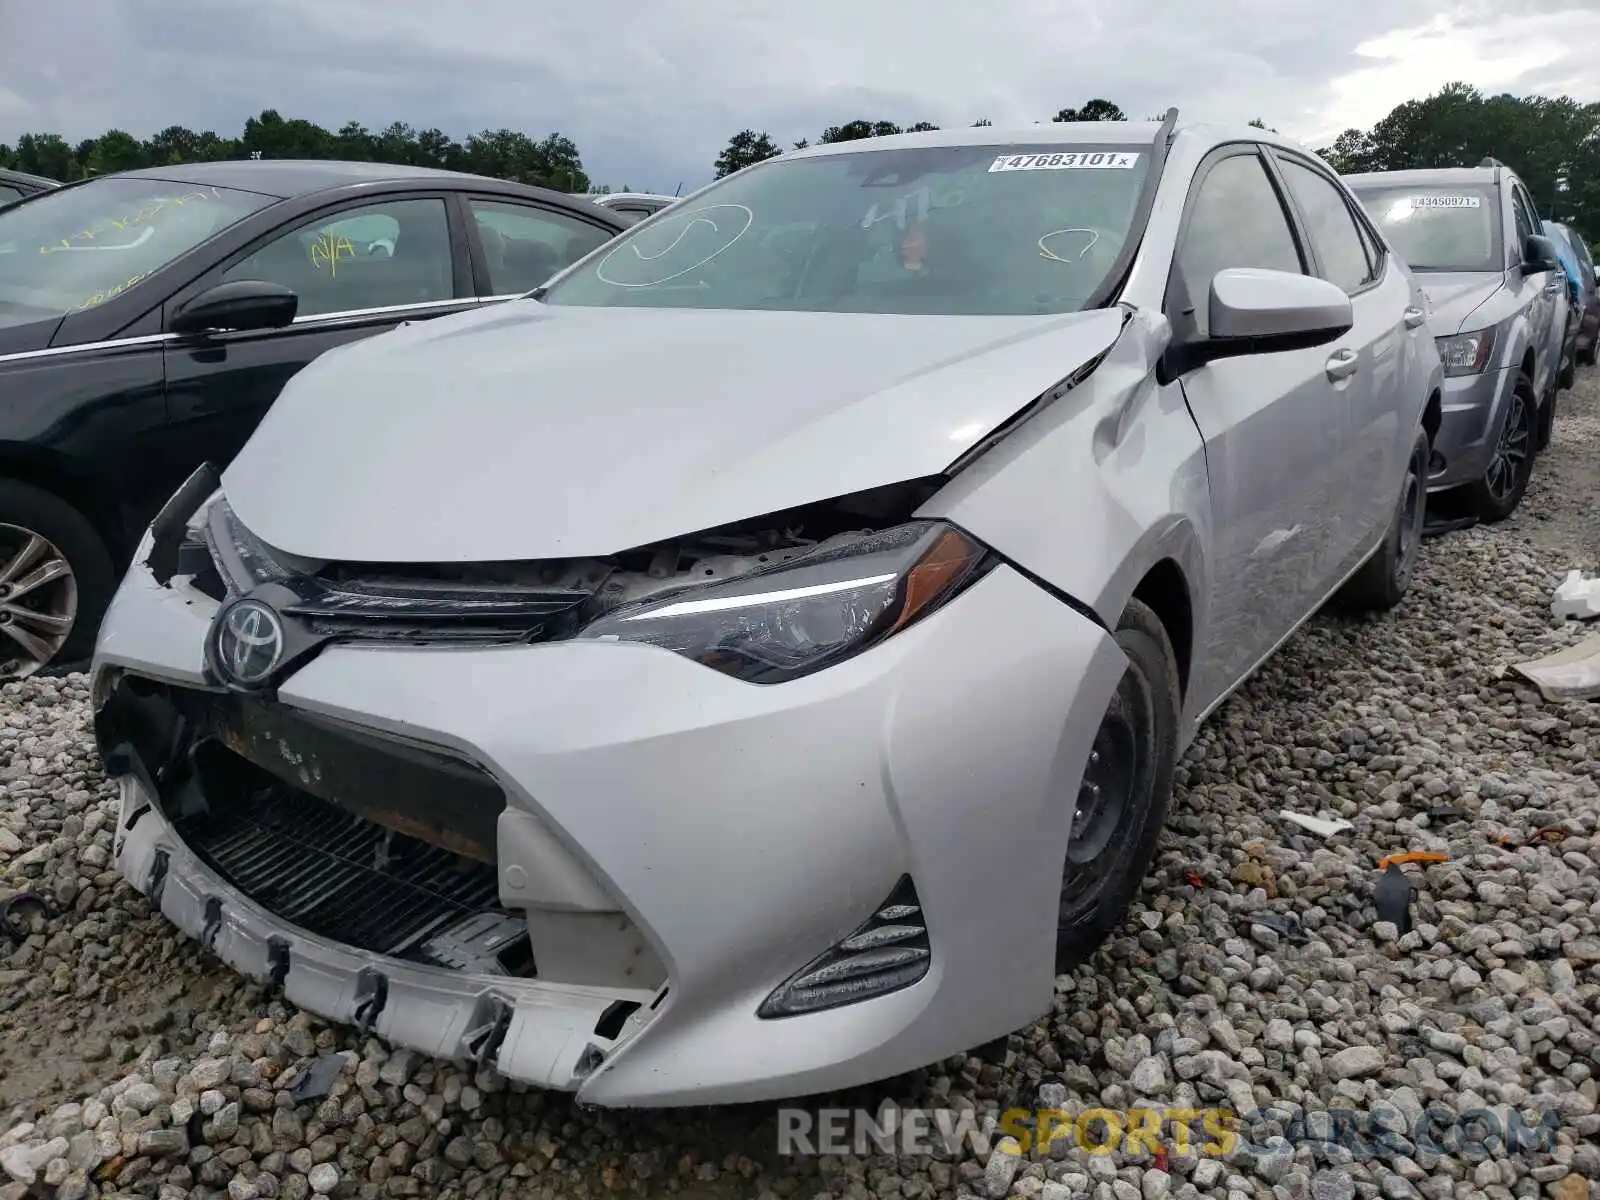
[(744, 149), (853, 131), (1093, 110)]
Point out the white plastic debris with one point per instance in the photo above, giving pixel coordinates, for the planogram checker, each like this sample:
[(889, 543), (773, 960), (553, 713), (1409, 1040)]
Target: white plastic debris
[(1321, 826), (1577, 596), (1570, 674)]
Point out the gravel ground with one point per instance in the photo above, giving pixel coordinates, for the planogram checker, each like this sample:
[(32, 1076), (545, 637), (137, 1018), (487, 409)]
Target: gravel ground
[(1253, 969)]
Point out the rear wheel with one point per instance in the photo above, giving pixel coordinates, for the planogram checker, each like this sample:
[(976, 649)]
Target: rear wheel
[(1496, 496), (56, 579), (1381, 582), (1122, 798)]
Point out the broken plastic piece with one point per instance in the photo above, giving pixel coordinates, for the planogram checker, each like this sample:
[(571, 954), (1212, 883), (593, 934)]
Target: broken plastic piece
[(1194, 879), (1570, 674), (1321, 826), (1391, 896), (1288, 928), (1444, 812), (317, 1082), (1577, 596), (1547, 836), (1413, 856)]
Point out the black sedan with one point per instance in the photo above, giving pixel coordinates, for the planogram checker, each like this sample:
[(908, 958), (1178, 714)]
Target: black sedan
[(14, 185), (148, 319)]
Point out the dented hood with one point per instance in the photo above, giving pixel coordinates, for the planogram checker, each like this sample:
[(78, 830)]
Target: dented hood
[(1453, 296), (528, 431)]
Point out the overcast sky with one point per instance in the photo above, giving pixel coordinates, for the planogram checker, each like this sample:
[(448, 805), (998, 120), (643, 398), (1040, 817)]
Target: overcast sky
[(651, 91)]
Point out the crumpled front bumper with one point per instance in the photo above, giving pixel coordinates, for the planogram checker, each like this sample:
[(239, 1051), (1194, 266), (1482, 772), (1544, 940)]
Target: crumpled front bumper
[(536, 1032), (742, 829)]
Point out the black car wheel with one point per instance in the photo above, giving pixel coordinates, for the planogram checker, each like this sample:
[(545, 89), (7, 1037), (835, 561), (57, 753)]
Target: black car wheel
[(1496, 496), (1122, 798), (56, 579), (1382, 581)]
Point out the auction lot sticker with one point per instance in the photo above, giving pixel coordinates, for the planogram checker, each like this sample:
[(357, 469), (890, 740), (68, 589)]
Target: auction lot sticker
[(1447, 202), (1071, 161)]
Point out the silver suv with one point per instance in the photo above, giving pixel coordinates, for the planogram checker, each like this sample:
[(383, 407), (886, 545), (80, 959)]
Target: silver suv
[(1497, 301)]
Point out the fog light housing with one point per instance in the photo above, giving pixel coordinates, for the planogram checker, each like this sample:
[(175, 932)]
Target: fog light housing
[(885, 953)]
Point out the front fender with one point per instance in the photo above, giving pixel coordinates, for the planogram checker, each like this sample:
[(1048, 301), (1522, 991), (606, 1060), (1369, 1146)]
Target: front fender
[(1097, 488)]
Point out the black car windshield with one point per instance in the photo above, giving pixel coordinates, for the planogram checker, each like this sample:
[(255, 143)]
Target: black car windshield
[(72, 249), (949, 230), (1444, 228)]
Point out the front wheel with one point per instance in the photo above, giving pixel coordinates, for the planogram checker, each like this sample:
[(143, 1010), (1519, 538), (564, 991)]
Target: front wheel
[(1122, 798), (1381, 582), (56, 578), (1496, 495)]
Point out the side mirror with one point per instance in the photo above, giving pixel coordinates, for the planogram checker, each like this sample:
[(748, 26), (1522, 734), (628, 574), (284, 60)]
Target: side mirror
[(240, 305), (1256, 311), (1539, 254)]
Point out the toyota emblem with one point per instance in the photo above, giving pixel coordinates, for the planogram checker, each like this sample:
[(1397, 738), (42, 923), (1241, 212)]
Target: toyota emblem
[(249, 642)]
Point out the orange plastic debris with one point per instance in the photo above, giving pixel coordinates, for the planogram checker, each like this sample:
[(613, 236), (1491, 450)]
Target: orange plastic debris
[(1413, 856)]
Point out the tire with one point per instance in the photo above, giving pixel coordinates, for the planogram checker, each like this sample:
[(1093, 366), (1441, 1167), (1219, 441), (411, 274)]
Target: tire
[(1381, 582), (1131, 766), (84, 590), (1496, 496)]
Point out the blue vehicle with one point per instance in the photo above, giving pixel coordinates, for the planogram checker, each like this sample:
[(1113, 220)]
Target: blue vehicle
[(1579, 265)]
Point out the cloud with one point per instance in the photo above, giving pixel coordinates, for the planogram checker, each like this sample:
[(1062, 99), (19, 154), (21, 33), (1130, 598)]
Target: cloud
[(651, 92)]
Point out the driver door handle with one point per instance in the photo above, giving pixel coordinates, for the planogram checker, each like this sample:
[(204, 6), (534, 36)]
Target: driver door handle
[(1414, 316), (1343, 365)]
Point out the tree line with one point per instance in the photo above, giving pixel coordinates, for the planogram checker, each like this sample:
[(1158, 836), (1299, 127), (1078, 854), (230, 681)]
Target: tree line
[(1553, 143), (552, 161)]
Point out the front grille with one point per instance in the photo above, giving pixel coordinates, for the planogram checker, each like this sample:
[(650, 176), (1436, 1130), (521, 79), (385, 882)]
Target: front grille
[(386, 605), (337, 875)]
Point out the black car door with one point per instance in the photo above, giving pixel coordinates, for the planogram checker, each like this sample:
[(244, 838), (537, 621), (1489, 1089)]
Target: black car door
[(359, 268)]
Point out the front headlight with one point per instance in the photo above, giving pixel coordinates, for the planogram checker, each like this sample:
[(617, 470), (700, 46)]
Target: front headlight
[(811, 612), (1466, 353)]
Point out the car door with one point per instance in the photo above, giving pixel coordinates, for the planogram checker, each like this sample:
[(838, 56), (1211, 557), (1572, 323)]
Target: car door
[(517, 245), (1382, 399), (1274, 426), (359, 268), (1537, 294)]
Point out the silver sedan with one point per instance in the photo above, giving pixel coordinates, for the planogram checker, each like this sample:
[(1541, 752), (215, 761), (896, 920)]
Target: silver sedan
[(754, 662)]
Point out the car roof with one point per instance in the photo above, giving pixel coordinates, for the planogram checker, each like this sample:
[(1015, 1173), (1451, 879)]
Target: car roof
[(1054, 133), (1428, 176), (612, 197), (287, 177), (23, 177)]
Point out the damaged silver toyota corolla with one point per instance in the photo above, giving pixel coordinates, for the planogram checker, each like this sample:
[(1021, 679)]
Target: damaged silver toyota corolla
[(749, 665)]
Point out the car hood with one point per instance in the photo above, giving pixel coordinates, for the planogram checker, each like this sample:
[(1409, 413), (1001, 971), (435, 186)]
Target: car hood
[(531, 431), (1453, 296)]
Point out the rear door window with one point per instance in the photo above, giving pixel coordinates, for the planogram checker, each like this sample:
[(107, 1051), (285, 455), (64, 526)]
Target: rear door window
[(523, 245)]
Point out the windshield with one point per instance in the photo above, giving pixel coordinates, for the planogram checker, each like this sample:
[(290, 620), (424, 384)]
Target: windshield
[(1454, 228), (73, 249), (949, 230)]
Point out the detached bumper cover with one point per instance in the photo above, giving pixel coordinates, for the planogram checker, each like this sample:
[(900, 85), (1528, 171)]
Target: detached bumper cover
[(741, 830)]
